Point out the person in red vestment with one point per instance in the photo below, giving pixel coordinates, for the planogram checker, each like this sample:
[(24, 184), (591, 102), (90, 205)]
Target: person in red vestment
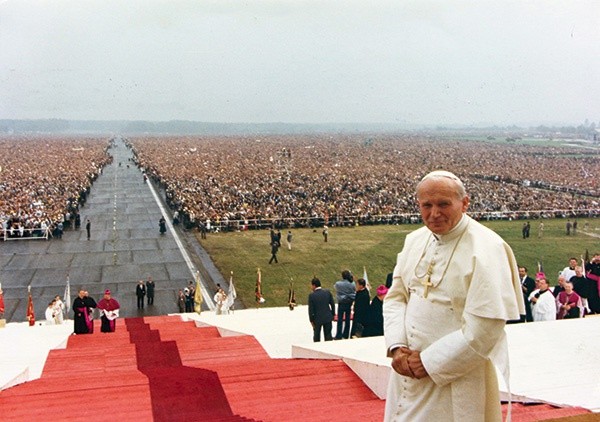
[(568, 303), (109, 311)]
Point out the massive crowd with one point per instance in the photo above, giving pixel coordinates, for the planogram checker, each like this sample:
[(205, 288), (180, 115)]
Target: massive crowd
[(349, 179), (296, 180), (44, 180)]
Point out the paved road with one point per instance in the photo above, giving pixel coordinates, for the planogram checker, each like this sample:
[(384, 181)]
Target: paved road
[(125, 246)]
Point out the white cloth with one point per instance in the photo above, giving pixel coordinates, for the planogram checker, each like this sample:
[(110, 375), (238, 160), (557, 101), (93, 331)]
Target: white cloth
[(50, 316), (110, 315), (221, 302), (457, 328), (545, 307), (59, 308)]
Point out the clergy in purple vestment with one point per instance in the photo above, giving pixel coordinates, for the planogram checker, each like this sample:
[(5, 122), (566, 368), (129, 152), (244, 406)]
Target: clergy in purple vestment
[(109, 311)]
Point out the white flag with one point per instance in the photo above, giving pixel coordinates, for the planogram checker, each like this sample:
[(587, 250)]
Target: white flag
[(231, 295), (67, 296), (366, 278)]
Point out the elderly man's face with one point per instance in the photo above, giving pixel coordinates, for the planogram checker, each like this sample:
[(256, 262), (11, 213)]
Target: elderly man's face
[(440, 205)]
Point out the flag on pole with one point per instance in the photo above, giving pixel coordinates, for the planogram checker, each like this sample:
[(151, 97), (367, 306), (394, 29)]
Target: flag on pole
[(30, 310), (292, 297), (67, 296), (587, 256), (231, 295), (258, 289), (366, 278), (198, 295), (1, 301), (584, 260)]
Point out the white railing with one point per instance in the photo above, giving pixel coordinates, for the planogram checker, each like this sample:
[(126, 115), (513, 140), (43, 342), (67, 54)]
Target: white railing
[(25, 234)]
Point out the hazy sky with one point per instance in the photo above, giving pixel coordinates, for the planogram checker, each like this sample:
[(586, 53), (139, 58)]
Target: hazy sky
[(419, 62)]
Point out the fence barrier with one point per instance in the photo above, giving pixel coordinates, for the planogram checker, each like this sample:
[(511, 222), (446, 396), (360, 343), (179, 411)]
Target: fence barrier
[(20, 233)]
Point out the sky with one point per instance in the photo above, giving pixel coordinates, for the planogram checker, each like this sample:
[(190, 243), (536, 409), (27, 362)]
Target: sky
[(405, 62)]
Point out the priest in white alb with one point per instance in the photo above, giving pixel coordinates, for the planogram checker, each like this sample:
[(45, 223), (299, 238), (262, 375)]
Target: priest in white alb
[(456, 283)]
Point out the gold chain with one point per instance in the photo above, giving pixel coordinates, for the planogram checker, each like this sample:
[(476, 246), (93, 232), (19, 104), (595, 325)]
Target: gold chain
[(427, 283)]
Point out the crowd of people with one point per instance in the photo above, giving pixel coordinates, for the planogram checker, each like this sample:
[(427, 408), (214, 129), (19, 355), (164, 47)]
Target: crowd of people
[(321, 180), (576, 294), (44, 181), (357, 314), (311, 180), (357, 309)]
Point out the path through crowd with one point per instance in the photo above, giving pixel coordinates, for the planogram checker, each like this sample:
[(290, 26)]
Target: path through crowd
[(125, 246)]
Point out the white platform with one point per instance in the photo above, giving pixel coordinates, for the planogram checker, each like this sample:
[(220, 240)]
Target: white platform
[(556, 362), (24, 349)]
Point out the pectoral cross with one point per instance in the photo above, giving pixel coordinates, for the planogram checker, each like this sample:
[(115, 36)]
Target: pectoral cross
[(426, 282)]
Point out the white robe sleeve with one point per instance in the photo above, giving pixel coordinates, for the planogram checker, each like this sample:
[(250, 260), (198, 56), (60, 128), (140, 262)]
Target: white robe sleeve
[(394, 314), (455, 354)]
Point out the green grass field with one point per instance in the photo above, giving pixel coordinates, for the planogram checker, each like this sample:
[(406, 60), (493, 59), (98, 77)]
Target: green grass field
[(372, 247)]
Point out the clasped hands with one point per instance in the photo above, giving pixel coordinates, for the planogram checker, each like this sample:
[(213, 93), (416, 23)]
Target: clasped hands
[(408, 362)]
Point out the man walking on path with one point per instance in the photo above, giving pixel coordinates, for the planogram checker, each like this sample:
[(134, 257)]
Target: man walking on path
[(274, 249)]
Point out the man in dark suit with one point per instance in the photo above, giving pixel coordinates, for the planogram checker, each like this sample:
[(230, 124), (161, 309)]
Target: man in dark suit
[(321, 309), (528, 286), (140, 292)]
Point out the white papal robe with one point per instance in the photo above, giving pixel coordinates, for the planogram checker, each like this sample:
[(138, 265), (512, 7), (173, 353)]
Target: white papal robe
[(458, 327)]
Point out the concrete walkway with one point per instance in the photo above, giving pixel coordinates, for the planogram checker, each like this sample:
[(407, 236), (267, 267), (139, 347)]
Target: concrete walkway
[(125, 247)]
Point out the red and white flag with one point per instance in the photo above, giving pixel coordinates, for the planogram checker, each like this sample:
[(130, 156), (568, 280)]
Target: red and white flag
[(258, 289), (30, 311), (1, 301)]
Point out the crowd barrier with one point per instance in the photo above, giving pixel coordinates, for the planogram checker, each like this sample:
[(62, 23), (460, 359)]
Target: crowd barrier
[(390, 219), (25, 234)]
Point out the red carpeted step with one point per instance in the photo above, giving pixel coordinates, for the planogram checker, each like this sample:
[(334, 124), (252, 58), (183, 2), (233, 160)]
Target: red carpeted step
[(245, 344), (98, 340), (181, 391), (276, 368), (314, 411), (165, 318), (74, 399), (191, 333), (541, 411), (90, 359), (200, 376), (290, 384), (75, 383)]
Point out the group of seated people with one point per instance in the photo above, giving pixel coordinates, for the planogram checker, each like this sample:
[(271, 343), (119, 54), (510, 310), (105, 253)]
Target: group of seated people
[(345, 180), (577, 293), (46, 181)]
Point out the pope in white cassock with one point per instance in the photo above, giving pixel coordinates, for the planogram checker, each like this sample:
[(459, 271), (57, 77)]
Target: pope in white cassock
[(456, 283)]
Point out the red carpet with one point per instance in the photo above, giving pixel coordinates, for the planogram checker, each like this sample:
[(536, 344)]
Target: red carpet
[(177, 392), (162, 369)]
